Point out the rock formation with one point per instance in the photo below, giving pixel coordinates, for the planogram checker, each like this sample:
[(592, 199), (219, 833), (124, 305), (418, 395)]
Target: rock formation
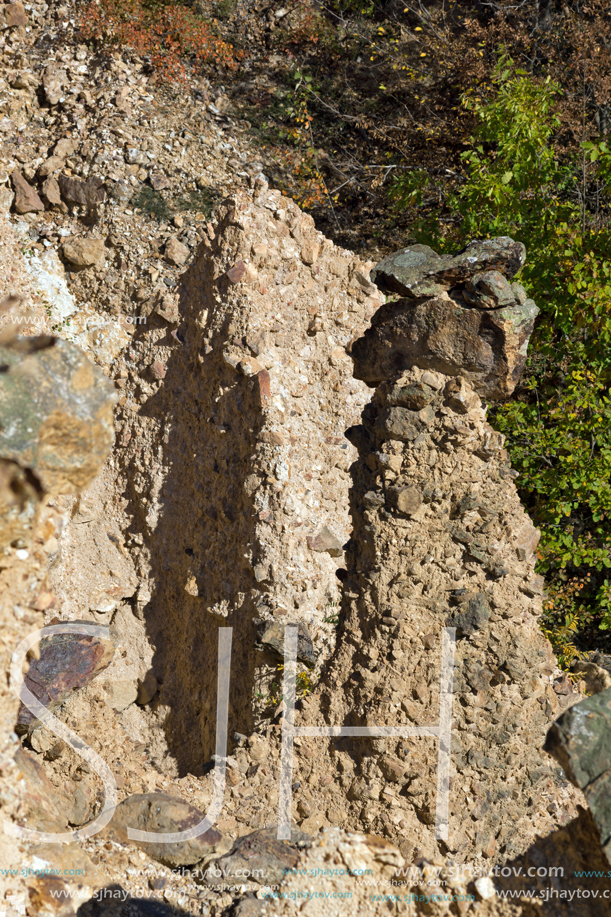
[(439, 540), (460, 316), (235, 463), (232, 497)]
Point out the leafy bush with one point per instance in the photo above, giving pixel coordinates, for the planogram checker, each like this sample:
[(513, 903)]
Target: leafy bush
[(168, 33)]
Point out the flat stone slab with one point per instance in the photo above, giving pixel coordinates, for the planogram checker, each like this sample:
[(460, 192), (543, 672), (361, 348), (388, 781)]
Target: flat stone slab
[(418, 271)]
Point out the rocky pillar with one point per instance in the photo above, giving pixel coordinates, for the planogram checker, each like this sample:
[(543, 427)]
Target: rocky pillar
[(440, 539)]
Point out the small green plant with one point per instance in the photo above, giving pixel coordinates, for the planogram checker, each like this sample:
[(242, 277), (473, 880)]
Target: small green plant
[(304, 685), (152, 202), (163, 209), (224, 9)]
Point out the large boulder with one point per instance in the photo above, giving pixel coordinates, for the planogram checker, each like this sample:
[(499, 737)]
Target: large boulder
[(160, 813)]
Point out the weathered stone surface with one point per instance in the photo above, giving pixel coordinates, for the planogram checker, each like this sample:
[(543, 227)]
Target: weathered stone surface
[(159, 181), (55, 413), (87, 194), (65, 147), (418, 271), (164, 814), (84, 253), (406, 500), (580, 740), (175, 252), (403, 424), (325, 542), (52, 164), (260, 857), (24, 80), (26, 198), (45, 807), (51, 192), (6, 199), (487, 348), (489, 290), (454, 564), (54, 80), (67, 662), (121, 694), (15, 15), (270, 639), (415, 397), (473, 614)]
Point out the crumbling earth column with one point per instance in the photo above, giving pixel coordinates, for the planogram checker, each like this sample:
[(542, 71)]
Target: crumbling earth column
[(440, 539)]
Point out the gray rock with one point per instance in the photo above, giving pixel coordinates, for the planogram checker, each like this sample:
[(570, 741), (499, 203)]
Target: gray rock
[(259, 857), (415, 397), (580, 740), (164, 814), (418, 271), (473, 614), (56, 413), (489, 290), (270, 639)]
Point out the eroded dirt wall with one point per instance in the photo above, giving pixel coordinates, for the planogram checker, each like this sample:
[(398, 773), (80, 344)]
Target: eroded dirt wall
[(234, 460)]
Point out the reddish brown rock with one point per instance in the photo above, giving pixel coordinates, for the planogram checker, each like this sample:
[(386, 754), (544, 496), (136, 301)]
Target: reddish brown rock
[(325, 542), (67, 662), (242, 273), (51, 192), (26, 198), (158, 369)]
